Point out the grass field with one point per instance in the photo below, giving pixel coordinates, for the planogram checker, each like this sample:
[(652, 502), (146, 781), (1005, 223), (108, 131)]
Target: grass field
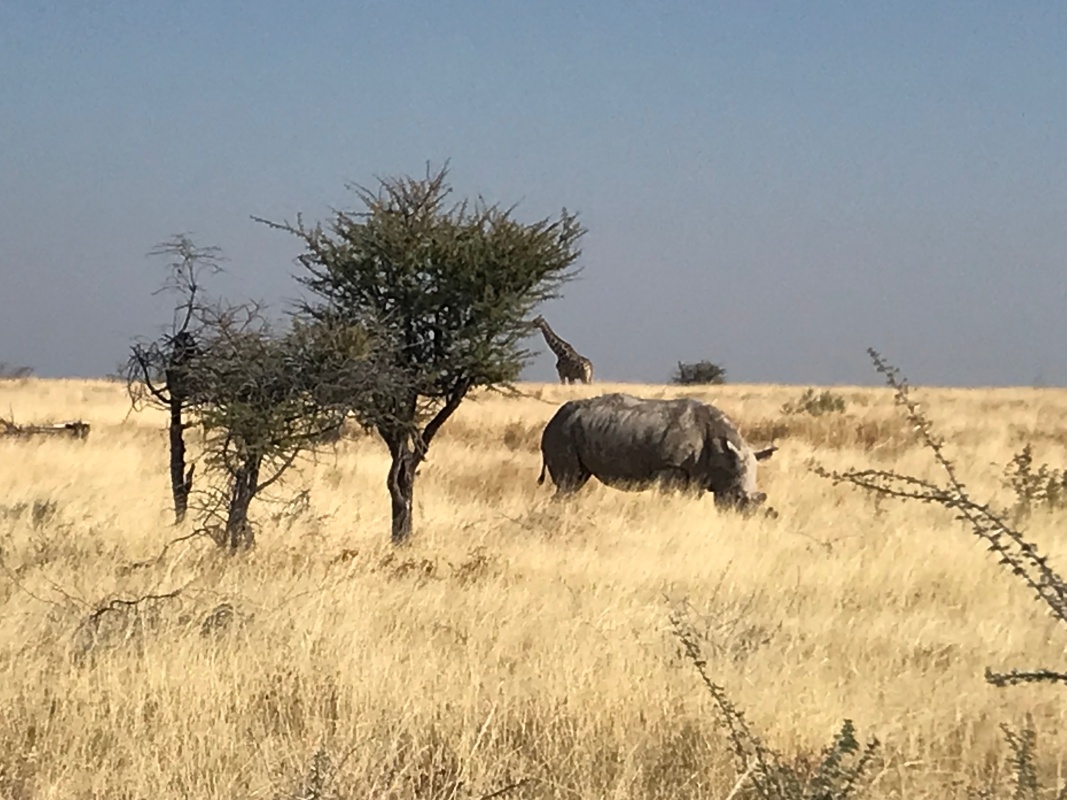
[(515, 638)]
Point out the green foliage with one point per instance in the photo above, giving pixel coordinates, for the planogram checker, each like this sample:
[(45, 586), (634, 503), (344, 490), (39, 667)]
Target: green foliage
[(815, 404), (268, 397), (838, 773), (256, 407), (1044, 486), (316, 785), (453, 282), (700, 373)]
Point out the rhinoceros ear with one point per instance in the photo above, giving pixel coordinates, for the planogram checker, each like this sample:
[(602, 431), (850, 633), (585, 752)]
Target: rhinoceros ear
[(766, 453)]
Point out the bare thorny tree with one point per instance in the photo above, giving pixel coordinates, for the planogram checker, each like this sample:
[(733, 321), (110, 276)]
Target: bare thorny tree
[(1020, 556), (158, 371)]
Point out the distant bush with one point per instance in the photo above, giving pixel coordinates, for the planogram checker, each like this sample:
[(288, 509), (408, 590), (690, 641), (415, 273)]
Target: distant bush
[(521, 436), (9, 372), (825, 402), (702, 372)]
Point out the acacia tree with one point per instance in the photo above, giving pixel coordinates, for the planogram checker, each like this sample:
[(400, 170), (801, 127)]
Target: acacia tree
[(270, 398), (262, 396), (158, 371), (452, 282)]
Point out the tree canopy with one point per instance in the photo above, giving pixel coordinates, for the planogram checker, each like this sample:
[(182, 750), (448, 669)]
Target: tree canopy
[(451, 284)]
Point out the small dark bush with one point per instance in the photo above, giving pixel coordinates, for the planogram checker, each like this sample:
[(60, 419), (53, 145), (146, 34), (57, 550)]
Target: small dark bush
[(702, 372), (10, 372)]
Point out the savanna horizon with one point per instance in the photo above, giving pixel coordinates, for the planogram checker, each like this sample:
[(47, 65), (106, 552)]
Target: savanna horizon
[(515, 637)]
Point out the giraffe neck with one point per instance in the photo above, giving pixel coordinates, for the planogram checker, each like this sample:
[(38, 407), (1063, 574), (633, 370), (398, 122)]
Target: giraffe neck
[(556, 344)]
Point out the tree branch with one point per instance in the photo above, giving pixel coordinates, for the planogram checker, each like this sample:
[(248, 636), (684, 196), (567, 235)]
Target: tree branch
[(1015, 677), (434, 425)]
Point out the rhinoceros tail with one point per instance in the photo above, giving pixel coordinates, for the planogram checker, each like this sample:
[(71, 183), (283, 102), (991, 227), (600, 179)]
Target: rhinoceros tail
[(541, 479)]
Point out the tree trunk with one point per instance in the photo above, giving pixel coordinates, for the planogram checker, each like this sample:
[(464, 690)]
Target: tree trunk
[(239, 532), (401, 483), (181, 482), (401, 478)]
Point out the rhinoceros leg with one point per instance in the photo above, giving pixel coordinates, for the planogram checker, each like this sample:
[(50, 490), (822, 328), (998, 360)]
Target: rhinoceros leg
[(569, 480), (568, 474)]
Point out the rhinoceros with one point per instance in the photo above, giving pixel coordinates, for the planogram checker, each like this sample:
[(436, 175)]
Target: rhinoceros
[(633, 444)]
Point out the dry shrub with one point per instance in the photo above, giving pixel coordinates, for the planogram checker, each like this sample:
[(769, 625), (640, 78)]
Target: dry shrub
[(881, 438), (520, 436), (476, 567), (885, 438), (426, 768), (1046, 431), (463, 429), (1035, 485), (724, 628), (112, 625), (467, 429), (399, 567), (39, 513), (815, 403), (465, 482), (767, 430)]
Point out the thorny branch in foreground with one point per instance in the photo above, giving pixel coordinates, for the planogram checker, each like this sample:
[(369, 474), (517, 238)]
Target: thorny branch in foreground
[(1024, 676), (842, 769), (1013, 551)]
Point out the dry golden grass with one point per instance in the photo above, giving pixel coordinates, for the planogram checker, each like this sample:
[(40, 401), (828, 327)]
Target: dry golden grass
[(515, 637)]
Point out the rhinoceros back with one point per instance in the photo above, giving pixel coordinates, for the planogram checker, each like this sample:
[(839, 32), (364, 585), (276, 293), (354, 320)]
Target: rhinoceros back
[(627, 441)]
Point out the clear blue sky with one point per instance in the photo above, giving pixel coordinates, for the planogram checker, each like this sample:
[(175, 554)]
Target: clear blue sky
[(774, 187)]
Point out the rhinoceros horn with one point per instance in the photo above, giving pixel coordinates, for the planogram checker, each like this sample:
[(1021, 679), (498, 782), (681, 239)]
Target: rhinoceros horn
[(761, 455), (765, 453)]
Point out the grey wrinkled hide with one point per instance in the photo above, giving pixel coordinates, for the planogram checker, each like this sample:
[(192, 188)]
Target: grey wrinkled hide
[(633, 444)]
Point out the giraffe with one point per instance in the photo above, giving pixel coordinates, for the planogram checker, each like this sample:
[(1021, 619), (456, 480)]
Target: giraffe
[(571, 366)]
